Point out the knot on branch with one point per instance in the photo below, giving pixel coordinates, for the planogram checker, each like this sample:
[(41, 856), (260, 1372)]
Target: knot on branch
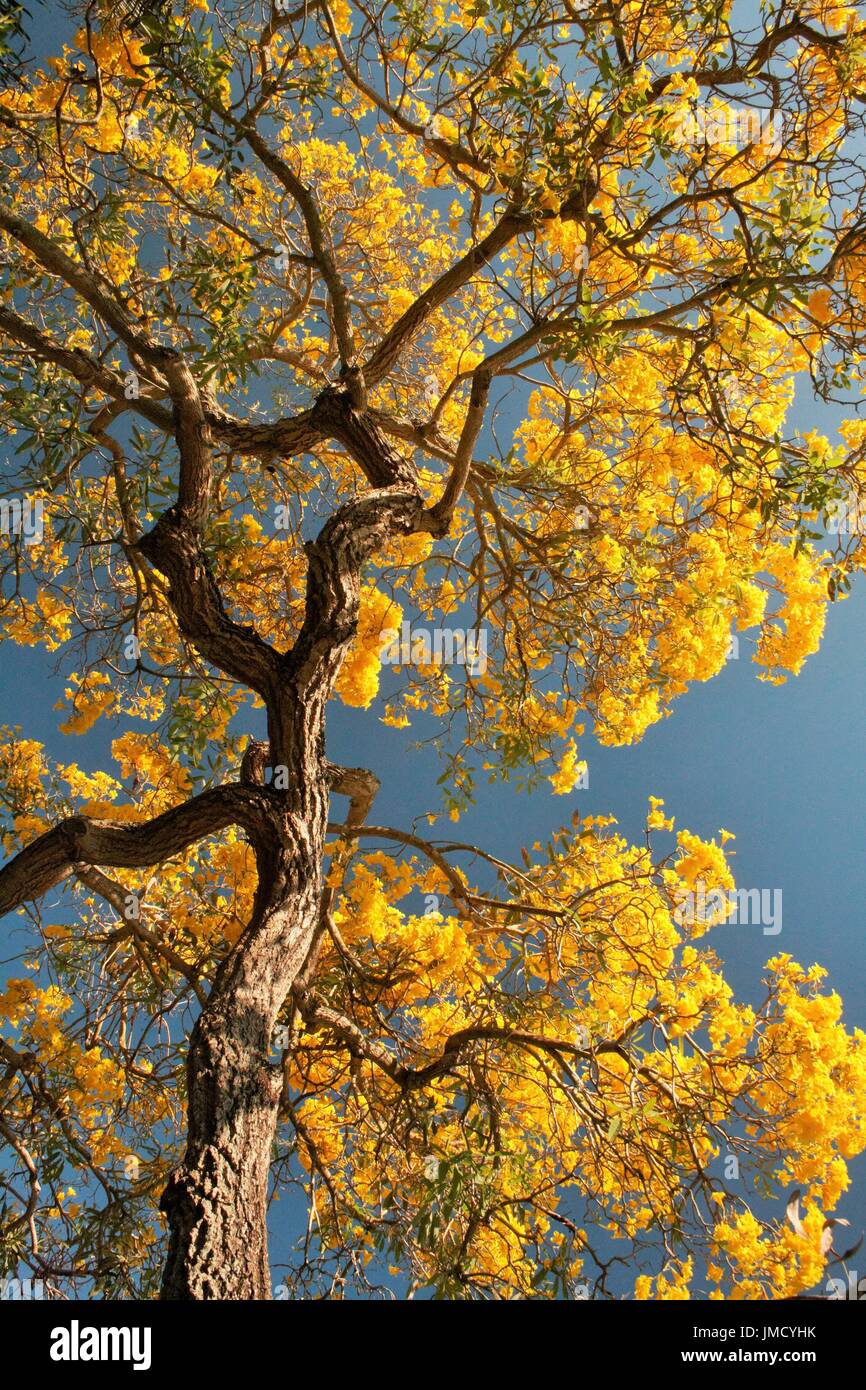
[(353, 376), (341, 413), (167, 527), (254, 762), (359, 784), (73, 829), (176, 1192)]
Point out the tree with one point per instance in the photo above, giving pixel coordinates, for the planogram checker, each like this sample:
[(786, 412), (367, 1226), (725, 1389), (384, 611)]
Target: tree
[(322, 324)]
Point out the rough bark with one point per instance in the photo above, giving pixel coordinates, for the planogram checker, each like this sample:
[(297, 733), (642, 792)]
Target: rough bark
[(216, 1201), (81, 840)]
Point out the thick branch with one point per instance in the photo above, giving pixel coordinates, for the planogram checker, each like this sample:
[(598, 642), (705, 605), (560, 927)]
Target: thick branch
[(279, 438), (443, 510), (318, 245), (101, 299), (385, 356), (80, 365), (193, 436), (79, 840), (175, 550), (337, 416), (335, 558), (357, 783)]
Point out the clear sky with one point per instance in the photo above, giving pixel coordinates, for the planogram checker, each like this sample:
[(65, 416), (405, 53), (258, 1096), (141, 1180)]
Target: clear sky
[(782, 767)]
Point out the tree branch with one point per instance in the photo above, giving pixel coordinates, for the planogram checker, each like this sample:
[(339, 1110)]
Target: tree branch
[(305, 200), (80, 365), (116, 895), (384, 357), (58, 263), (443, 510), (80, 840)]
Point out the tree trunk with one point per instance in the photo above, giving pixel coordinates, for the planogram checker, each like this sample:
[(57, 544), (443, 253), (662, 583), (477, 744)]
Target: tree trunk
[(216, 1202)]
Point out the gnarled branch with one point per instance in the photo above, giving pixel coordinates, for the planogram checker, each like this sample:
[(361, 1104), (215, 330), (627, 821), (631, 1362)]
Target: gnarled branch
[(80, 840)]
